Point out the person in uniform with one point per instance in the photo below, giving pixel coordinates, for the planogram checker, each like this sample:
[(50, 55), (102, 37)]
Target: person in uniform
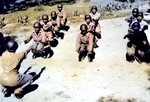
[(143, 24), (39, 38), (138, 44), (47, 27), (55, 20), (132, 17), (11, 62), (84, 44), (62, 15), (92, 29), (95, 18)]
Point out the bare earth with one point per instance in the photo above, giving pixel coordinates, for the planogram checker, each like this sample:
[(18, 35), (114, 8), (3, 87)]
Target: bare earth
[(109, 75)]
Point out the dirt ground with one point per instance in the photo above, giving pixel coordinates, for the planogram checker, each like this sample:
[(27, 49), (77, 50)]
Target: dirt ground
[(109, 75)]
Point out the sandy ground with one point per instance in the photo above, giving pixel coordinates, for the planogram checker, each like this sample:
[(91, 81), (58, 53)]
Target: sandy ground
[(109, 75)]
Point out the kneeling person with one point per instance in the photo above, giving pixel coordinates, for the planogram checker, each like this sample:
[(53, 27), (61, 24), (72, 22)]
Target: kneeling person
[(84, 44)]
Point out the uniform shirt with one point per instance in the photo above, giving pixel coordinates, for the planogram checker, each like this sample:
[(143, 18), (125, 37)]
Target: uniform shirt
[(91, 26), (87, 40), (55, 22), (40, 37), (142, 24), (130, 18), (95, 16), (46, 26), (11, 63), (62, 14)]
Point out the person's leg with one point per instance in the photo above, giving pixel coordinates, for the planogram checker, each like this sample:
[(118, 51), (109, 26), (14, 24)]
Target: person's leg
[(24, 78), (82, 53), (130, 54)]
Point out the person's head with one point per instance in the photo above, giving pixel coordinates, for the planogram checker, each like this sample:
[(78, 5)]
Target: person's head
[(135, 12), (135, 27), (37, 27), (12, 46), (88, 18), (83, 29), (139, 16), (53, 15), (54, 43), (45, 18), (60, 7), (94, 9)]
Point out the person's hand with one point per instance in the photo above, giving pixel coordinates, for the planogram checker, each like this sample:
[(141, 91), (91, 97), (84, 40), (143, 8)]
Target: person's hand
[(133, 45), (130, 30), (144, 42), (17, 91), (140, 29)]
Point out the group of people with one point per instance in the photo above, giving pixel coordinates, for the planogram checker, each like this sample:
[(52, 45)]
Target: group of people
[(44, 36), (138, 45), (46, 32), (89, 35)]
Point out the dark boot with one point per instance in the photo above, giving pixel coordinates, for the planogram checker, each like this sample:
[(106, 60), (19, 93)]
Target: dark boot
[(91, 57), (36, 54), (130, 58), (82, 55)]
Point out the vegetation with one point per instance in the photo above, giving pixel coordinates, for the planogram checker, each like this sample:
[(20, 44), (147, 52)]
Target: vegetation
[(111, 99)]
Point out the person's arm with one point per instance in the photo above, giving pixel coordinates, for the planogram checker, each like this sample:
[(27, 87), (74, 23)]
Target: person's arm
[(97, 16), (91, 37), (58, 22), (64, 15), (128, 18), (144, 26), (29, 37), (49, 36), (78, 43)]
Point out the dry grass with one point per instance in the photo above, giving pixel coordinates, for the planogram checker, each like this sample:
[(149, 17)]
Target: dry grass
[(111, 99), (110, 15)]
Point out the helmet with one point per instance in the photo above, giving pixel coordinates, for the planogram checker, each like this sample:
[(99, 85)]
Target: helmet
[(135, 27), (140, 14), (93, 7), (53, 14), (54, 43), (59, 6), (88, 17), (12, 46), (83, 25), (36, 25), (135, 10), (45, 17)]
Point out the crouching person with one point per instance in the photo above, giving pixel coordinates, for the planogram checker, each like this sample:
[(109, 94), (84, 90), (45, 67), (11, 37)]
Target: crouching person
[(84, 44), (138, 44), (11, 62)]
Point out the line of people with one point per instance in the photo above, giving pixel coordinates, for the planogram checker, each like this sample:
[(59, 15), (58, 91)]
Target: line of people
[(138, 46), (44, 37), (89, 35), (46, 32)]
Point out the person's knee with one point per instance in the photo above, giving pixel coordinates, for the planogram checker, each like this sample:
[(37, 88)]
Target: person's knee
[(56, 29), (130, 51)]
